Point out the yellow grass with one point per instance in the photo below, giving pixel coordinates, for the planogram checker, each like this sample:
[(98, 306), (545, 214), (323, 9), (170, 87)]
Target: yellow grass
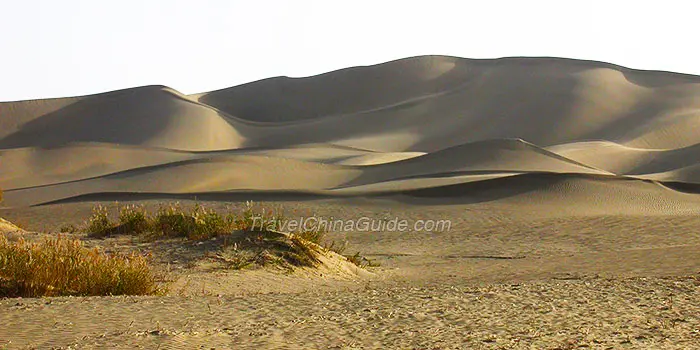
[(61, 267)]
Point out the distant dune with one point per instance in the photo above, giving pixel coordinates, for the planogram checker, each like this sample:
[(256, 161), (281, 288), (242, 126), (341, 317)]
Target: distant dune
[(418, 126)]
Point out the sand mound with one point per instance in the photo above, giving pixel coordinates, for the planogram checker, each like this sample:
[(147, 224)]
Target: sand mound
[(405, 125), (10, 231), (6, 226)]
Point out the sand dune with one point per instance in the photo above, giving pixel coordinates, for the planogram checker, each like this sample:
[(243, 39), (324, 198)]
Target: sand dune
[(409, 124), (639, 162), (153, 116), (454, 101), (572, 190), (567, 194)]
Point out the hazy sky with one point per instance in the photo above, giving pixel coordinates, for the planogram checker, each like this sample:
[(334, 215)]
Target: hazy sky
[(61, 48)]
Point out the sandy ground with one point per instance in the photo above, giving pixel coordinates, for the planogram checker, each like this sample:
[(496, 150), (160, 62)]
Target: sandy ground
[(571, 188), (507, 275), (645, 313)]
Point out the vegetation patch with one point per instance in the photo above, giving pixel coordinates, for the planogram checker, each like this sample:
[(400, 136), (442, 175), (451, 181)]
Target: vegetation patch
[(61, 267), (268, 248), (253, 237)]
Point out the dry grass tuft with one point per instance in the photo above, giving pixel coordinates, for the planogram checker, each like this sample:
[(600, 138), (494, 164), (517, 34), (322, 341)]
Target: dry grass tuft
[(268, 248), (99, 224), (357, 259), (61, 267), (361, 261), (133, 219)]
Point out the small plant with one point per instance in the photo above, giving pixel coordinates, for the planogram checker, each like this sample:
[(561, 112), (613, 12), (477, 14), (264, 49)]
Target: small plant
[(250, 220), (61, 267), (207, 224), (68, 228), (134, 220), (200, 223), (172, 221), (247, 220), (338, 248), (361, 261), (99, 224), (315, 236), (234, 258), (302, 252), (357, 259)]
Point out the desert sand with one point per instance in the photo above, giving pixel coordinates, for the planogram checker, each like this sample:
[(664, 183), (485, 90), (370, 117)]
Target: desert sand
[(571, 187)]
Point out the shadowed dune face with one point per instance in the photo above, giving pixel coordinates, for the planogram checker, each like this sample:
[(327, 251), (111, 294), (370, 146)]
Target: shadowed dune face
[(341, 92), (402, 126), (150, 116)]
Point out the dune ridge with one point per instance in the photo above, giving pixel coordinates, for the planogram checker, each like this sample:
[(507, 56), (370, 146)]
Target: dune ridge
[(396, 127)]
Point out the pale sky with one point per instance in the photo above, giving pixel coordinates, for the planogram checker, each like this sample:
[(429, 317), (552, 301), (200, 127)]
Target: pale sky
[(65, 48)]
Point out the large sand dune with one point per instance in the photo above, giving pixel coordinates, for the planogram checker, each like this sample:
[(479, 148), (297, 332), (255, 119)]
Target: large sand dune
[(395, 127), (570, 187)]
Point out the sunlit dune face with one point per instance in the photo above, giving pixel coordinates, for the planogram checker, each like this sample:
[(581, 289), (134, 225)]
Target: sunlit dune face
[(437, 68)]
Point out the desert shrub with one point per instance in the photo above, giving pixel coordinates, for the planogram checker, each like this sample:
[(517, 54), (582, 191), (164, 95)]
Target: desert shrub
[(60, 267), (235, 259), (315, 236), (246, 221), (172, 221), (301, 252), (262, 220), (207, 224), (68, 228), (357, 258), (99, 224), (133, 219), (199, 223)]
